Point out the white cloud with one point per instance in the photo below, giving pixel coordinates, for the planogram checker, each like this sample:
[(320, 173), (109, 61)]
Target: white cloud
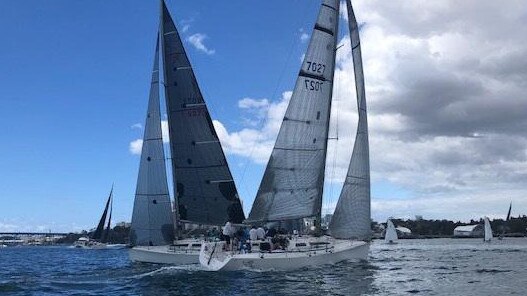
[(137, 126), (304, 37), (136, 146), (255, 143), (185, 28), (197, 41)]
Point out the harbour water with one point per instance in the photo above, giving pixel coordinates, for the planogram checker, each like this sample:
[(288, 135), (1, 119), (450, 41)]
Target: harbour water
[(422, 267)]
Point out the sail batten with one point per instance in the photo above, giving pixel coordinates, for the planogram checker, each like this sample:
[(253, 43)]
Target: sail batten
[(197, 155), (292, 185), (152, 219), (351, 219)]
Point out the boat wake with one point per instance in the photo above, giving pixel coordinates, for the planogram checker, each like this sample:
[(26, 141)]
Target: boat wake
[(167, 270)]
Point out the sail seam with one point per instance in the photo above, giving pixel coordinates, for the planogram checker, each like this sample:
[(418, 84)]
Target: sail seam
[(329, 6), (298, 149), (322, 29), (312, 76)]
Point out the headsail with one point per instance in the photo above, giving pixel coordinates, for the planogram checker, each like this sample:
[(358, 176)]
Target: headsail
[(488, 230), (352, 214), (152, 220), (98, 234), (509, 212), (206, 192), (106, 236), (293, 181)]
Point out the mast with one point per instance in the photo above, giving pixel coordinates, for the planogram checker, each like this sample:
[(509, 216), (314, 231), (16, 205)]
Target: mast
[(98, 234), (205, 192), (175, 210), (292, 185), (351, 218), (152, 218)]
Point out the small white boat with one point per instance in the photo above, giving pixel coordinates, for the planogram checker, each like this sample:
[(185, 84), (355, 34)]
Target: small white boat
[(390, 237), (3, 246), (301, 252), (87, 243), (488, 230)]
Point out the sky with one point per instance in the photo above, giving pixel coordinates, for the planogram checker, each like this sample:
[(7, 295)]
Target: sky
[(445, 88)]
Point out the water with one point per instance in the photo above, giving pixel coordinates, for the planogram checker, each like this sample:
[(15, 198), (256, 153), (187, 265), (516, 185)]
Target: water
[(422, 267)]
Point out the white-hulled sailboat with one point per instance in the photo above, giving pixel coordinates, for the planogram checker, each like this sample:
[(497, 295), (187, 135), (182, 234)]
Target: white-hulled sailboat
[(292, 185), (204, 189), (390, 236), (488, 230)]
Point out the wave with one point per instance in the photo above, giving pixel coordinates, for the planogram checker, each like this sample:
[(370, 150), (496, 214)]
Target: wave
[(169, 270)]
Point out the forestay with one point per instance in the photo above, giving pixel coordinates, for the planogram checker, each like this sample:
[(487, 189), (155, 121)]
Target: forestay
[(205, 189), (152, 219), (351, 218), (292, 184)]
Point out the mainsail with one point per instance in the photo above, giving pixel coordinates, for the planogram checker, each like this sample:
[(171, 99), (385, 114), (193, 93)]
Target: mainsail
[(152, 221), (351, 218), (488, 230), (509, 212), (293, 181), (205, 189), (98, 234)]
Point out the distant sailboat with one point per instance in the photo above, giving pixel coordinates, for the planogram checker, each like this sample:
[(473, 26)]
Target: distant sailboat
[(100, 236), (205, 192), (488, 230), (390, 236), (292, 186)]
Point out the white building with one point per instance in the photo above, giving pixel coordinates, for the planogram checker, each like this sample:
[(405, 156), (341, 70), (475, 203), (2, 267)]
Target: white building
[(468, 230)]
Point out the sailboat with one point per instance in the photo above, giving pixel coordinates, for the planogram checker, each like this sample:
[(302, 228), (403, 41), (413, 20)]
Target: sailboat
[(100, 237), (488, 230), (205, 193), (390, 236), (293, 181)]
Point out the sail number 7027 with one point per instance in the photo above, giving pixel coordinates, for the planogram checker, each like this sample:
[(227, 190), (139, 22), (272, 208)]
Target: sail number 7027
[(313, 84)]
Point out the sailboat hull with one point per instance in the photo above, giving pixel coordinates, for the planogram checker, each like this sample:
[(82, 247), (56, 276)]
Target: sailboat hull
[(164, 255), (337, 251)]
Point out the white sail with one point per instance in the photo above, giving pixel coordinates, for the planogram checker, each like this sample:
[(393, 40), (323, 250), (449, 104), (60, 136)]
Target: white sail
[(293, 181), (152, 220), (390, 235), (488, 230), (351, 218)]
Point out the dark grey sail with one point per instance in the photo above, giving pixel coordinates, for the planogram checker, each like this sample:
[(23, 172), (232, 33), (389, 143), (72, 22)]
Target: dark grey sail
[(152, 219), (292, 185), (205, 189), (352, 214), (106, 236), (98, 234)]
